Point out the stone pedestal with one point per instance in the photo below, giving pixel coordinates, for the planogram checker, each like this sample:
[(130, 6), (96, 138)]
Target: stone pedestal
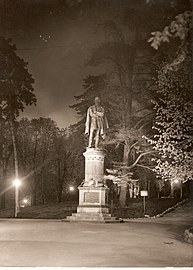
[(94, 166), (93, 200), (93, 193)]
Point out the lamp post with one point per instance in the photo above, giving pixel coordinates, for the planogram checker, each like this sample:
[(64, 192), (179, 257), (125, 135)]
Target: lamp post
[(16, 183)]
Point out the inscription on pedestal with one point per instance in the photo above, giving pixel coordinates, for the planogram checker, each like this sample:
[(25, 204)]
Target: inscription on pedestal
[(91, 197)]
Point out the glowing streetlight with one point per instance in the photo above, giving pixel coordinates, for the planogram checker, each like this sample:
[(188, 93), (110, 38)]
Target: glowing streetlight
[(71, 188), (16, 183)]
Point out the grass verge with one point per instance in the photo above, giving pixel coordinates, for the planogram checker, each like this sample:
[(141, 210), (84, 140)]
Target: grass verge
[(62, 210)]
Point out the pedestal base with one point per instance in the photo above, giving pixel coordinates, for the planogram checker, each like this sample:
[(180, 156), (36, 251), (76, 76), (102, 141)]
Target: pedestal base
[(93, 195), (93, 206), (92, 217)]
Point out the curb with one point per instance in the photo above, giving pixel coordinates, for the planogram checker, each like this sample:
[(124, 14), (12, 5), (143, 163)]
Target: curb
[(161, 214), (172, 208)]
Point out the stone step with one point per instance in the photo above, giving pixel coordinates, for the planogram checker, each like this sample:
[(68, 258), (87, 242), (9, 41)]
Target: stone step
[(94, 218), (92, 214)]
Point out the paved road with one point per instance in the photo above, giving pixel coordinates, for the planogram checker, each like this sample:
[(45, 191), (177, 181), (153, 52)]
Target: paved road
[(141, 243)]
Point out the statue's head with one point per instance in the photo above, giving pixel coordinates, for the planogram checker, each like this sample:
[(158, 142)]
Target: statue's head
[(97, 100)]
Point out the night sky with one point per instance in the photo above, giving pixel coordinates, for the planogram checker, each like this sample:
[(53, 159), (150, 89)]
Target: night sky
[(56, 39)]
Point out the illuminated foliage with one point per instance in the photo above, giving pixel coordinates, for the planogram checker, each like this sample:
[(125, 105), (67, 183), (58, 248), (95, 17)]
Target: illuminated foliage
[(174, 108)]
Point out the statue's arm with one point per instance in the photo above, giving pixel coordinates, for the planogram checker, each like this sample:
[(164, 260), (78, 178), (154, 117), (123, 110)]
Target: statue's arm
[(87, 124), (106, 122), (92, 113), (101, 114)]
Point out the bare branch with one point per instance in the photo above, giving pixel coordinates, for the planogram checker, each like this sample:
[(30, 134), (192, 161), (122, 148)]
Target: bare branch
[(119, 163), (128, 152), (140, 121), (147, 122), (140, 156), (137, 160), (143, 166)]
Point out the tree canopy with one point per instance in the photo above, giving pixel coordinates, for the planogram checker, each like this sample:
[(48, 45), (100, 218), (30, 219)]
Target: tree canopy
[(16, 90), (174, 108)]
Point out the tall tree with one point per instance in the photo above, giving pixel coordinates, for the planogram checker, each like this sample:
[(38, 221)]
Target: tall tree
[(6, 150), (61, 157), (129, 69), (43, 158), (44, 131), (174, 108), (16, 89), (128, 63)]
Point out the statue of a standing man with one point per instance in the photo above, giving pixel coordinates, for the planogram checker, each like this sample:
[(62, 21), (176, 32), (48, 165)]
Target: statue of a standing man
[(96, 123)]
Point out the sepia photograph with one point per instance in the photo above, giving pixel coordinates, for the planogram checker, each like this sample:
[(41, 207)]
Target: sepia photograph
[(96, 134)]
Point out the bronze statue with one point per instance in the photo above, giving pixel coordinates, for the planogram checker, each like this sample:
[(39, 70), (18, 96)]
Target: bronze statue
[(96, 123)]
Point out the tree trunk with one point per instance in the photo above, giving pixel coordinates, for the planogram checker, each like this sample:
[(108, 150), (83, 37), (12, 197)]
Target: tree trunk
[(34, 189), (43, 199), (60, 192), (149, 188), (34, 199), (2, 194), (123, 192), (123, 186), (59, 181), (16, 168), (61, 177), (2, 200), (4, 180), (3, 187), (123, 195), (45, 151), (127, 103), (34, 182), (14, 151)]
